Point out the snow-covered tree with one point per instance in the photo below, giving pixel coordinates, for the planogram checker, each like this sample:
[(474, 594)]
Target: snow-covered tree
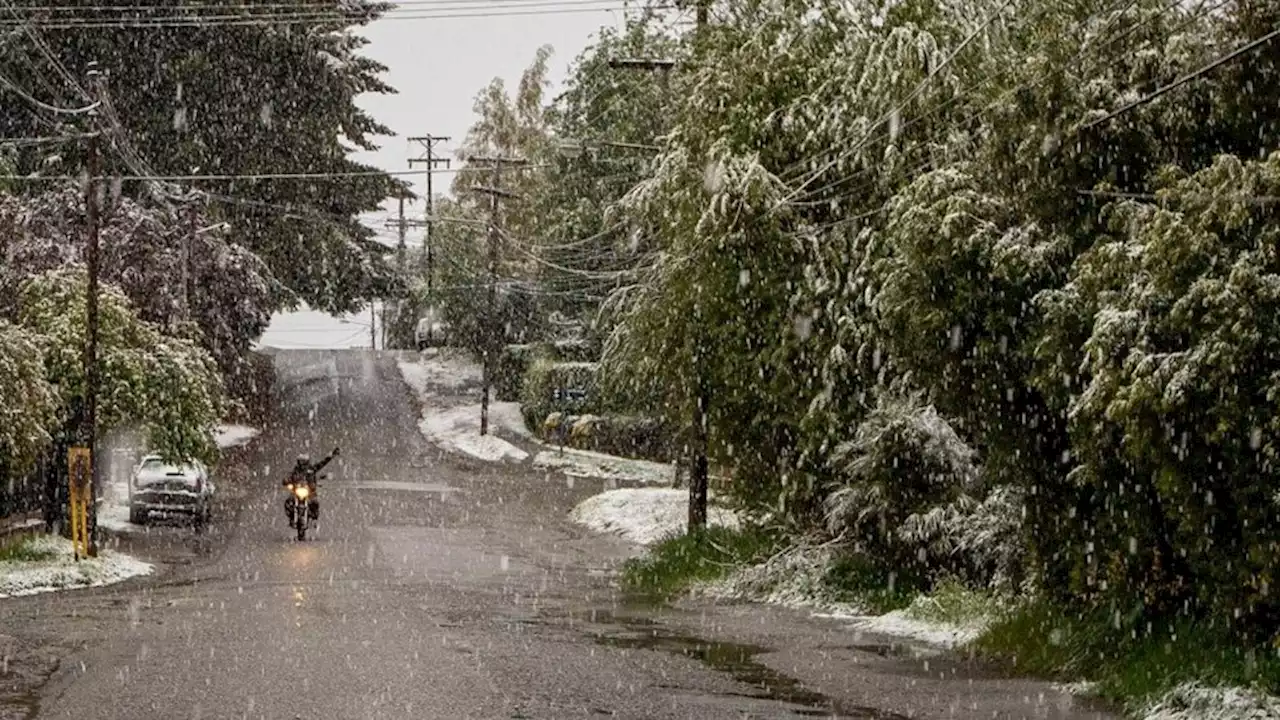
[(231, 290), (27, 401), (167, 383), (258, 97), (906, 476), (1170, 328)]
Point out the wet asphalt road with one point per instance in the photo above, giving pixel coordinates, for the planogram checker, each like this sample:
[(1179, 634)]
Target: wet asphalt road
[(440, 588)]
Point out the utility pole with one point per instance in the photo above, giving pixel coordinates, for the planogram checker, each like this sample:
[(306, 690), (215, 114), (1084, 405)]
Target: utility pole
[(428, 142), (699, 469), (699, 473), (373, 325), (491, 339), (89, 430), (699, 479), (400, 326)]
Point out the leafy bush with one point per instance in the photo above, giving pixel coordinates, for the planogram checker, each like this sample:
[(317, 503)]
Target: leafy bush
[(510, 369), (538, 395), (907, 475)]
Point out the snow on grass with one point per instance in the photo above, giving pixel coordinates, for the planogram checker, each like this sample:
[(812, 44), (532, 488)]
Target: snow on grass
[(1082, 688), (229, 436), (56, 569), (437, 370), (1192, 701), (584, 463), (951, 616), (458, 429), (643, 515), (901, 623), (794, 578)]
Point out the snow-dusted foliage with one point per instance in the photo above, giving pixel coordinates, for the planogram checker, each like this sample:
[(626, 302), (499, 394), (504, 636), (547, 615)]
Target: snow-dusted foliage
[(838, 201), (27, 401), (1170, 332), (266, 98), (231, 292), (1193, 701), (166, 382), (907, 476)]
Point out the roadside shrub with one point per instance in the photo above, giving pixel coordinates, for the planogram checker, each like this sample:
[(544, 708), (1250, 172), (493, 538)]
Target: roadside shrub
[(538, 394), (625, 436), (510, 369), (575, 350), (907, 477), (680, 562)]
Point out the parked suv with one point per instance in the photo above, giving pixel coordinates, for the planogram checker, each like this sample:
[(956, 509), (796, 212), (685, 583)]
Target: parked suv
[(158, 487)]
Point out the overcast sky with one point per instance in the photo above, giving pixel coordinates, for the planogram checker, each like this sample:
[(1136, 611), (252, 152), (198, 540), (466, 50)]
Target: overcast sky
[(438, 66)]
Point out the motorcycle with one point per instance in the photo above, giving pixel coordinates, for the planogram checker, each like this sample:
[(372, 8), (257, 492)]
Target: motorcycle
[(299, 505)]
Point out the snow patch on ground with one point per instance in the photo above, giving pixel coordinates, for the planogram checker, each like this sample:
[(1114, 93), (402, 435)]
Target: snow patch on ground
[(643, 515), (113, 514), (900, 623), (437, 370), (63, 572), (584, 463), (229, 436), (458, 429), (1192, 701), (438, 374), (1079, 688)]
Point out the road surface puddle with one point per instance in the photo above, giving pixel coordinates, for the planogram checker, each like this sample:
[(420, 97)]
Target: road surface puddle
[(736, 660)]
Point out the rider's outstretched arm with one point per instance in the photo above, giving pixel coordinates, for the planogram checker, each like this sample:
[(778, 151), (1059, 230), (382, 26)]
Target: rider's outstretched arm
[(320, 465)]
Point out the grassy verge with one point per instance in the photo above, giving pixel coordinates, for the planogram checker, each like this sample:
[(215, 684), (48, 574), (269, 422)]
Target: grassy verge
[(677, 563), (1133, 663), (25, 550), (854, 579)]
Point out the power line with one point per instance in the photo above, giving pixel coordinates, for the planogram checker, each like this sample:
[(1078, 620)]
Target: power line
[(556, 7), (13, 87), (1242, 50), (89, 11), (1118, 195), (245, 176), (46, 140)]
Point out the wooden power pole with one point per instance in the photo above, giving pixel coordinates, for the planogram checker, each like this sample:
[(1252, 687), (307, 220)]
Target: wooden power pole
[(89, 429), (699, 469), (699, 480), (428, 142), (491, 339)]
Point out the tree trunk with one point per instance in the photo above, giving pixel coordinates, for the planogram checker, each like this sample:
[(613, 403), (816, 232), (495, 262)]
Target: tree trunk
[(698, 469)]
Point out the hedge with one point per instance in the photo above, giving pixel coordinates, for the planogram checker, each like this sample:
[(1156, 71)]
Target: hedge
[(625, 436), (538, 396), (510, 369)]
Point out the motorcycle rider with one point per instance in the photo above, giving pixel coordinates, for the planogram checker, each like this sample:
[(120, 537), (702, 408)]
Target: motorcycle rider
[(304, 471)]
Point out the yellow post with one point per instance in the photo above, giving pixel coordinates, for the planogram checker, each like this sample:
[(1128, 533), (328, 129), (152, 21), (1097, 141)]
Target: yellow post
[(80, 485)]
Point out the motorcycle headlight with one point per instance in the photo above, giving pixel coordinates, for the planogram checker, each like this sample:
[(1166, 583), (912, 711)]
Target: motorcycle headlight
[(302, 491)]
